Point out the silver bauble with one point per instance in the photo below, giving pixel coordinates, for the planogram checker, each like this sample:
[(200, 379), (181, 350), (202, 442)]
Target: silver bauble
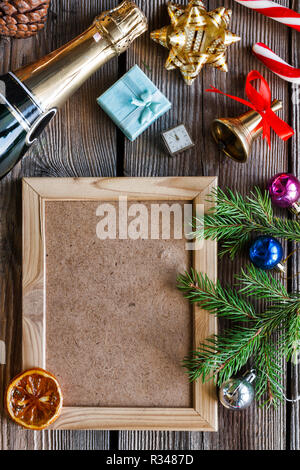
[(238, 393)]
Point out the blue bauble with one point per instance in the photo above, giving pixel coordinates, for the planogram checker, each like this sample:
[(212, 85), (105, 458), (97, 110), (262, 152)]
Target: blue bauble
[(266, 252)]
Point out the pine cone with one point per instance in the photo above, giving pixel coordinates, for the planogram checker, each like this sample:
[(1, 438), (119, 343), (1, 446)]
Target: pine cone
[(22, 18)]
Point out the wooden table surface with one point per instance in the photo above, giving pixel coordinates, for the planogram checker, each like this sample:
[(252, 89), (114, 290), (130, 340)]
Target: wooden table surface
[(82, 141)]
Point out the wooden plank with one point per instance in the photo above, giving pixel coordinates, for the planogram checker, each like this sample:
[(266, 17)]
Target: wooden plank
[(255, 428), (70, 146), (33, 280), (131, 418), (294, 389), (110, 189)]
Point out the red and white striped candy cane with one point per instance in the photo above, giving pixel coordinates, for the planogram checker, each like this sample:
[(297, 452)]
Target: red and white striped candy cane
[(276, 64), (275, 11)]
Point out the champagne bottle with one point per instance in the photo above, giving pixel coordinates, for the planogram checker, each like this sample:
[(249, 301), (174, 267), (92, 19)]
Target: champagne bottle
[(31, 96)]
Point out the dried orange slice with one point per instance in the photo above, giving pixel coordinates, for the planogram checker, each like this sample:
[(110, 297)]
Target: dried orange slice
[(34, 399)]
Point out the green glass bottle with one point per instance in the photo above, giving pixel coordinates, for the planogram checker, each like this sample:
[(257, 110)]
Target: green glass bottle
[(18, 112), (31, 96)]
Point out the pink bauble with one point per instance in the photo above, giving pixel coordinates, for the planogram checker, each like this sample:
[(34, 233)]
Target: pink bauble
[(284, 190)]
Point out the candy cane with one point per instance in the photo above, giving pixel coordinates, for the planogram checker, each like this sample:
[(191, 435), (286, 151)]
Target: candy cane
[(276, 64), (275, 11)]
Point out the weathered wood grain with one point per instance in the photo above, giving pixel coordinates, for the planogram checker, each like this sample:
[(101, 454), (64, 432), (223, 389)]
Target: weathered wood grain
[(255, 428), (294, 389), (79, 142), (34, 322)]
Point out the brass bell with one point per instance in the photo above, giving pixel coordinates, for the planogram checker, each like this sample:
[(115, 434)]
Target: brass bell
[(235, 136)]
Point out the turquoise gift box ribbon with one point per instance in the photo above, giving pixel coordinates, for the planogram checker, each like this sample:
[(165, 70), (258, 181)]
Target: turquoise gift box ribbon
[(134, 103), (149, 107)]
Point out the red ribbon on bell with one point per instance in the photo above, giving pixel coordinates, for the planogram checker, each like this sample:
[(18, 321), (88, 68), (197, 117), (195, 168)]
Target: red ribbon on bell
[(261, 102)]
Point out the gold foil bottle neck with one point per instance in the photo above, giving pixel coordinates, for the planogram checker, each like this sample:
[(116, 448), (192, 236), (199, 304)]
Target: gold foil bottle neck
[(122, 25), (55, 77)]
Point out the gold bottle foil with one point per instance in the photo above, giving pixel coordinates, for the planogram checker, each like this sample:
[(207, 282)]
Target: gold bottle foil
[(55, 77), (196, 37)]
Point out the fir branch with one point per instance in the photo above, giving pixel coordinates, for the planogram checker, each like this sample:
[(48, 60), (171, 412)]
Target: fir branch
[(232, 221), (258, 283), (269, 378), (283, 309), (212, 297), (224, 355), (235, 217), (260, 205), (292, 340), (233, 246)]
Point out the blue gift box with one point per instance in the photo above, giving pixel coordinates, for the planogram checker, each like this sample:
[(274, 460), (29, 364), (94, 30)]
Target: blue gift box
[(134, 103)]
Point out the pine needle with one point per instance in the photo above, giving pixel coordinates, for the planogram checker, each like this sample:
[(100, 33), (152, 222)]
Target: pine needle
[(235, 218), (252, 333)]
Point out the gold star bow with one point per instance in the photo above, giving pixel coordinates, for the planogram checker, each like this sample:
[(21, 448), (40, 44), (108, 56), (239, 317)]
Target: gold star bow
[(196, 37)]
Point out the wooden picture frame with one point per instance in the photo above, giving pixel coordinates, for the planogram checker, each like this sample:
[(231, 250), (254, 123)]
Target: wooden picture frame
[(36, 192)]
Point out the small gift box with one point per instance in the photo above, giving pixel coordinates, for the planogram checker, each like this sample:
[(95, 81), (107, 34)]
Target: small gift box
[(134, 103)]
